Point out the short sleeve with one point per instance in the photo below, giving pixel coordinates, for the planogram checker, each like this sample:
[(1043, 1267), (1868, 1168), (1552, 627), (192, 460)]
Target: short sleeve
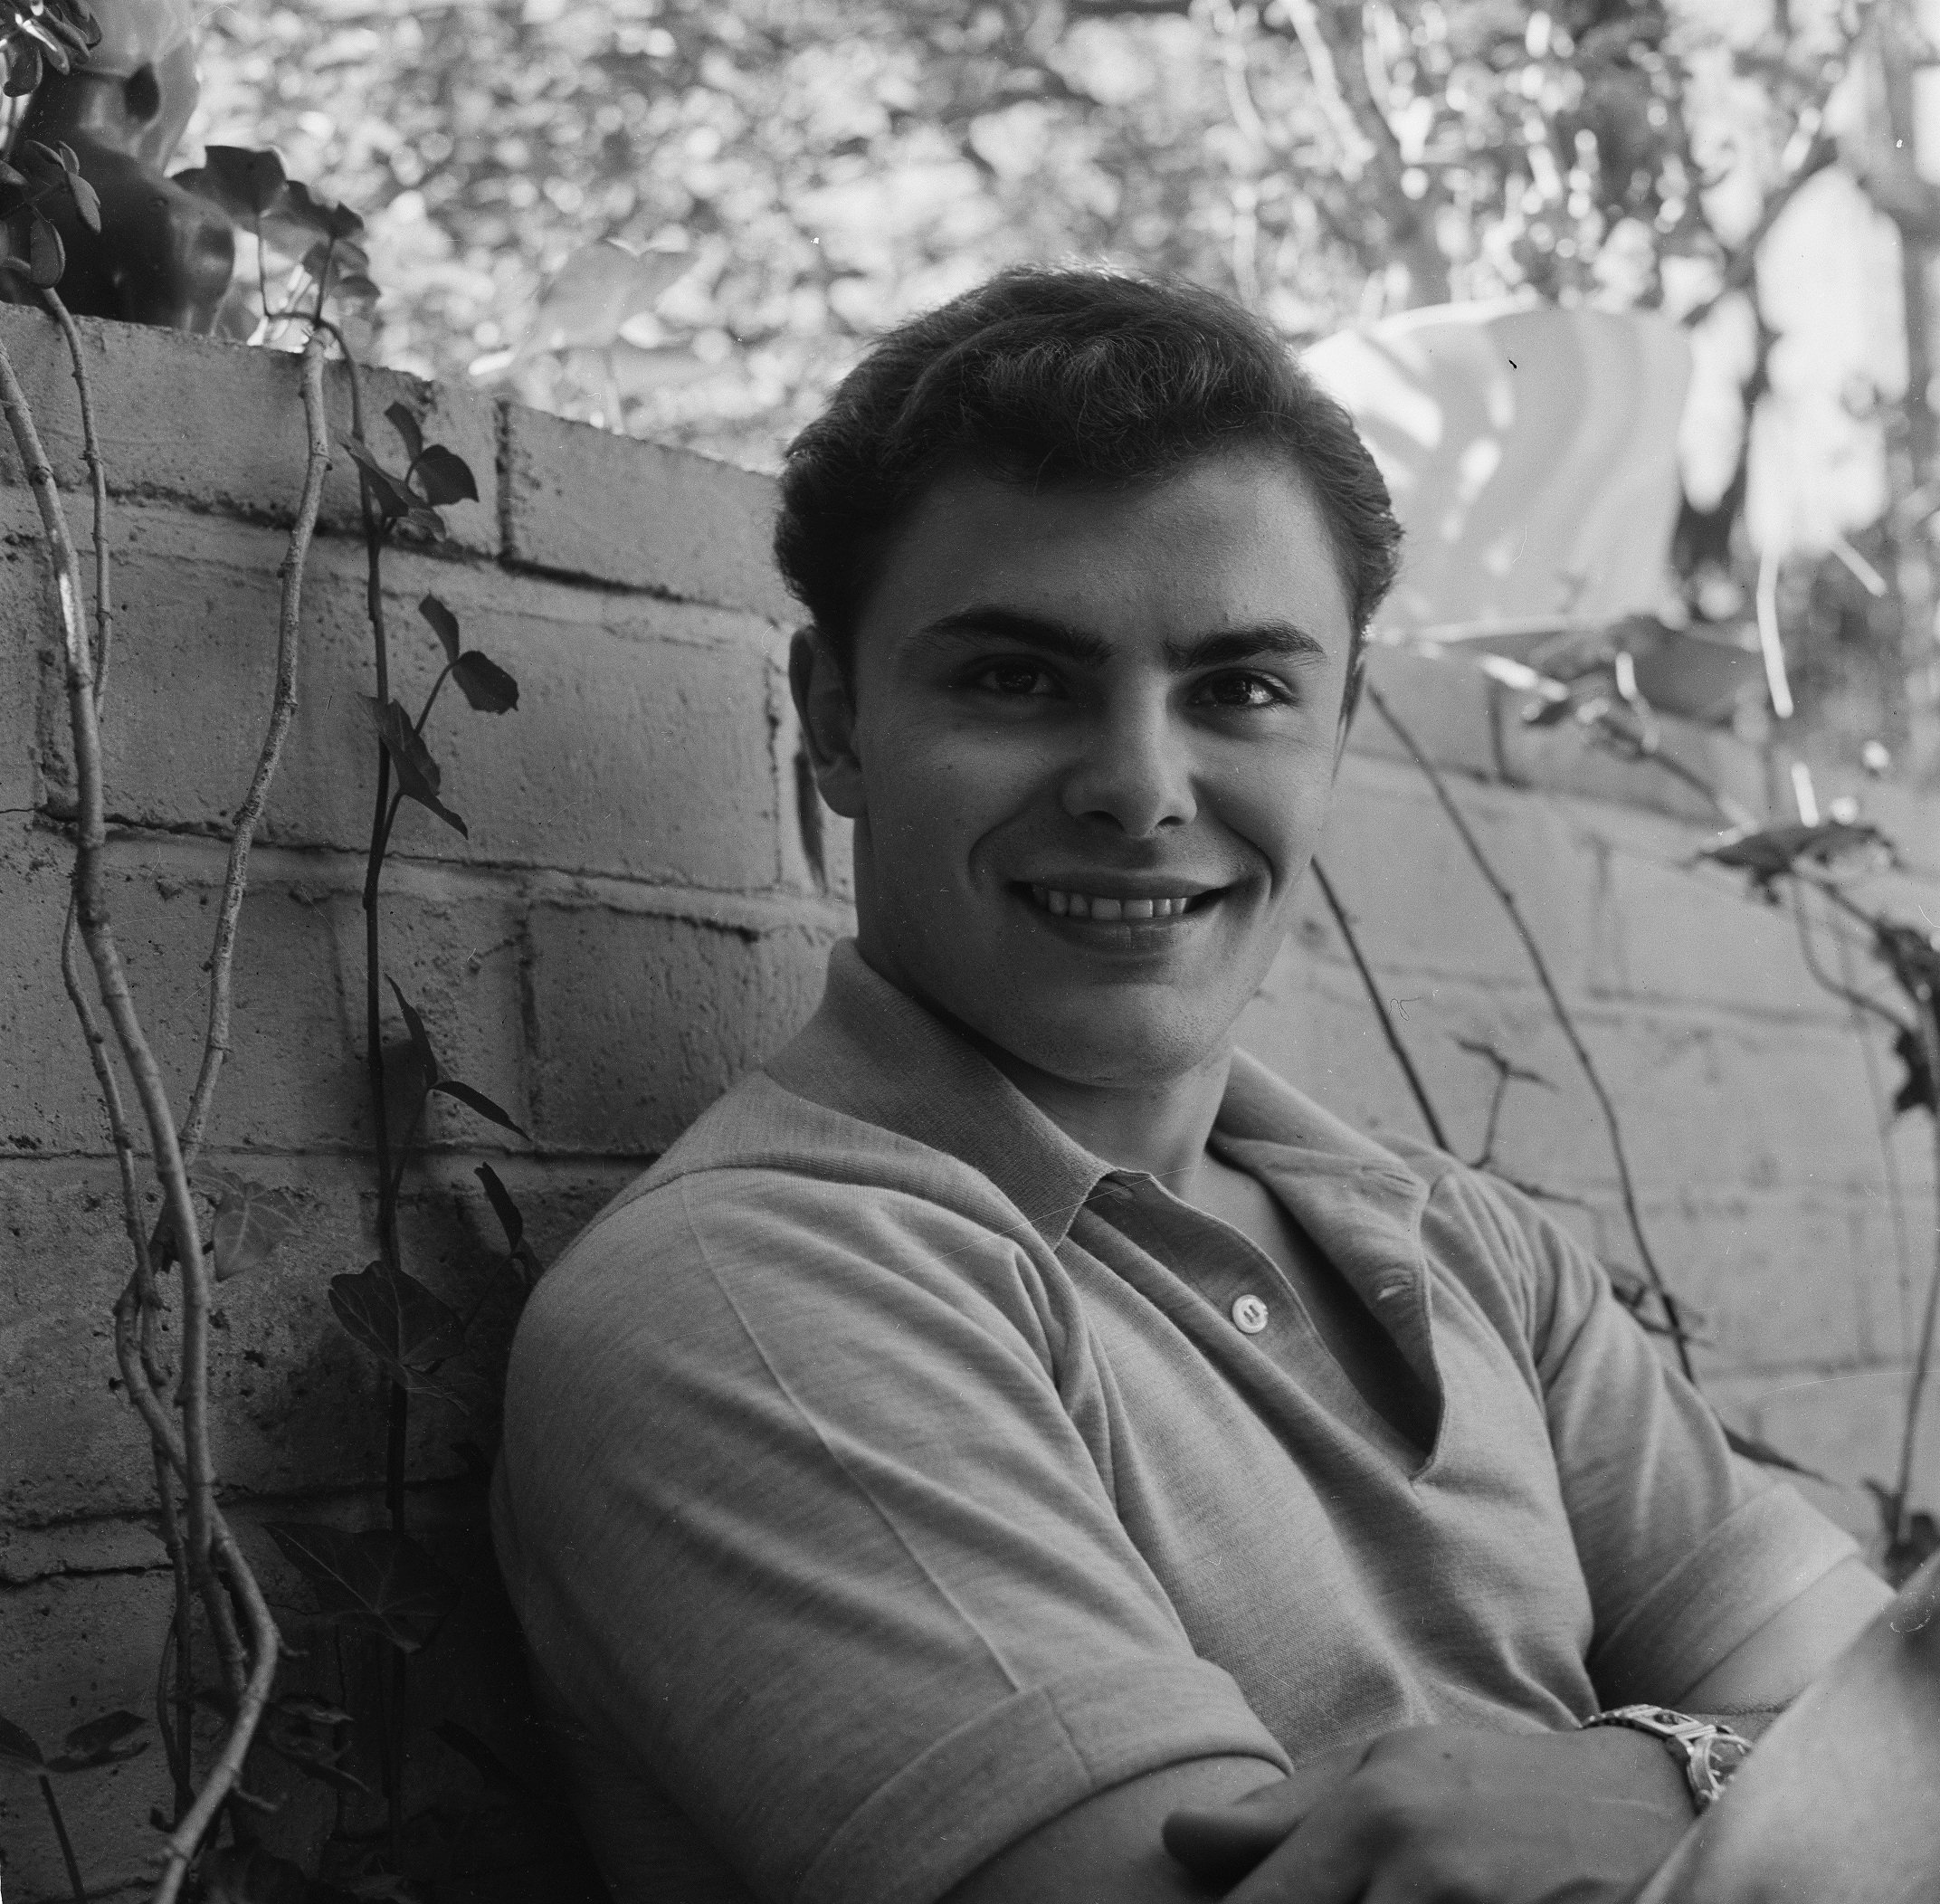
[(801, 1518), (1688, 1548)]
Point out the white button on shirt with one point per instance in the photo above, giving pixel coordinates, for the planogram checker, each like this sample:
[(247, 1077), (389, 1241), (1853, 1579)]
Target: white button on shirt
[(1249, 1314)]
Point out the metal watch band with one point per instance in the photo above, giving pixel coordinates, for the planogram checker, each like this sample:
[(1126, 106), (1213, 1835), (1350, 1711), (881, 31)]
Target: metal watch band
[(1708, 1752)]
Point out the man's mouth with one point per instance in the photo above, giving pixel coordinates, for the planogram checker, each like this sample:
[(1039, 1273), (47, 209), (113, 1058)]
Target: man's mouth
[(1116, 909)]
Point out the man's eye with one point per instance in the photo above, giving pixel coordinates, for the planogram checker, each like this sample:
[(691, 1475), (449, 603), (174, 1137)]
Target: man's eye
[(1245, 691), (1014, 678)]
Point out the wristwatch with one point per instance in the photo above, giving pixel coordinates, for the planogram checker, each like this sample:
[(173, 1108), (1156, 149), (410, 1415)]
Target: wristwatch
[(1708, 1752)]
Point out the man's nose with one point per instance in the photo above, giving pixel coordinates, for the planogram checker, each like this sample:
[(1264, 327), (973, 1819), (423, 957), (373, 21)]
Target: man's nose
[(1136, 770)]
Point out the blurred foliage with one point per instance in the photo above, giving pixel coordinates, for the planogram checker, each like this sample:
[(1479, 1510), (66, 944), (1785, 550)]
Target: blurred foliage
[(823, 167)]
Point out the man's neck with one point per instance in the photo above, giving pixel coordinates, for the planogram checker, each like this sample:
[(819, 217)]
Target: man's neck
[(1159, 1126)]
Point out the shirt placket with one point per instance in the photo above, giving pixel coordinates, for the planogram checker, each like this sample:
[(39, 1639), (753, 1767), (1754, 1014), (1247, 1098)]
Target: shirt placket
[(1257, 1303)]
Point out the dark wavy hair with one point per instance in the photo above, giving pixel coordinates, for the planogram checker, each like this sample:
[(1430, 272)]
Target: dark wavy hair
[(1064, 379)]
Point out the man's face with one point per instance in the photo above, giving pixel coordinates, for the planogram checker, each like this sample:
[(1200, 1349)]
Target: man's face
[(1089, 753)]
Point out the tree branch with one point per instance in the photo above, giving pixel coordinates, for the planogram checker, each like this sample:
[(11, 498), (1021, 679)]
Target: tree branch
[(1559, 1009), (1389, 1030), (282, 711), (1929, 1011), (207, 1545)]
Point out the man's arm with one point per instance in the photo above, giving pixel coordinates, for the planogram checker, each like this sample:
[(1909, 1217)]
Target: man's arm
[(1518, 1818), (1426, 1804), (1797, 1643), (1445, 1797), (1108, 1848)]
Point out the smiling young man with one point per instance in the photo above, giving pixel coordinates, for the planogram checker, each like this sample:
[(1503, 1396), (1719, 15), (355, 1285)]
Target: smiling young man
[(1014, 1428)]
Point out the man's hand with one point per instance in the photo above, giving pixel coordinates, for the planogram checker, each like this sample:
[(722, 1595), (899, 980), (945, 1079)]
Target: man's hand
[(1445, 1814)]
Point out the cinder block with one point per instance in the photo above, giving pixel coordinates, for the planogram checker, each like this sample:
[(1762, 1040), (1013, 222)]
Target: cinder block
[(71, 1650), (220, 425), (638, 1023), (1704, 1103), (1845, 1423), (638, 748), (289, 1081), (86, 1546), (1784, 1275), (1310, 1023), (582, 501), (29, 653), (295, 1406), (1418, 899), (1668, 928), (1442, 700)]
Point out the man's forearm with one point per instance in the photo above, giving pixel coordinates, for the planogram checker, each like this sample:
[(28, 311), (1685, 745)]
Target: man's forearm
[(1764, 1674)]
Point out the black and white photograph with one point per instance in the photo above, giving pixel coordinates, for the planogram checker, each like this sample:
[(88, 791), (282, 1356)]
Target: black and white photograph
[(969, 951)]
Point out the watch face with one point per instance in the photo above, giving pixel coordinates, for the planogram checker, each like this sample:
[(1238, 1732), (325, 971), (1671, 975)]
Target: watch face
[(1725, 1754)]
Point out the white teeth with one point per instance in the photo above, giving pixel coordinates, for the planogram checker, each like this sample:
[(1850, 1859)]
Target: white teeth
[(1083, 905)]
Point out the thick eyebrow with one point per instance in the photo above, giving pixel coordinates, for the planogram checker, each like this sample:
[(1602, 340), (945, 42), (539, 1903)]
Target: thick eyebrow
[(1281, 641)]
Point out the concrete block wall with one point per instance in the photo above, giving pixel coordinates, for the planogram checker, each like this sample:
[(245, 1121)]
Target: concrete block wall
[(635, 918)]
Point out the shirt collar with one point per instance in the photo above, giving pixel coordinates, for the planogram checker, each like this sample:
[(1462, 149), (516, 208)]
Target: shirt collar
[(874, 1053)]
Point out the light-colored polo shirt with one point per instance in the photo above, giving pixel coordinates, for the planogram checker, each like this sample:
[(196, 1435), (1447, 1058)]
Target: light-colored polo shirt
[(884, 1474)]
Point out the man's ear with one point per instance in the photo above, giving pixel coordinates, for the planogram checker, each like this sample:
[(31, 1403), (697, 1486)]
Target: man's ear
[(826, 710)]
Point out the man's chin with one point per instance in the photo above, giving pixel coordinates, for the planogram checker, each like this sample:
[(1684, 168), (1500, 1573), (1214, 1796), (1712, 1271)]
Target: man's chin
[(1101, 1044)]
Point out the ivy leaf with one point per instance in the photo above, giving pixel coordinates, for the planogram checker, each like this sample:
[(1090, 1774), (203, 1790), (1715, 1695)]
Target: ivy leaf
[(313, 1756), (444, 476), (483, 1759), (334, 257), (23, 68), (383, 1888), (1766, 1454), (17, 1747), (485, 684), (247, 1874), (443, 623), (46, 255), (1916, 1088), (243, 183), (41, 158), (378, 1581), (1913, 956), (512, 1222), (401, 1323), (418, 772), (421, 1045), (357, 287), (406, 425), (388, 491), (1773, 850), (480, 1102), (99, 1742), (311, 1710), (511, 1219), (296, 214), (426, 521), (251, 1222), (87, 201)]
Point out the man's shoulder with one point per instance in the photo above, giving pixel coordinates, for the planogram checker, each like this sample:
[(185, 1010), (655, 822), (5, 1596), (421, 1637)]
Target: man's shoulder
[(766, 1183), (763, 1150)]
